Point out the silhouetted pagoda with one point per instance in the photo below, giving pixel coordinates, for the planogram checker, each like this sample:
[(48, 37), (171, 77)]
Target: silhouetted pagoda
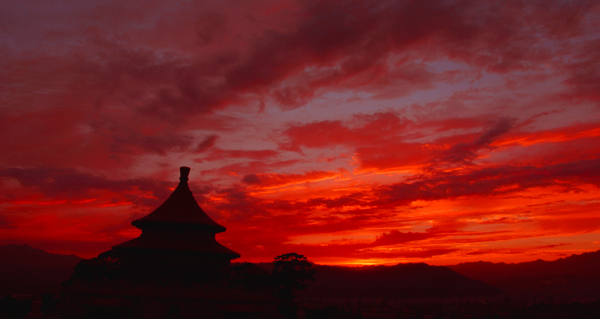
[(174, 269), (178, 233)]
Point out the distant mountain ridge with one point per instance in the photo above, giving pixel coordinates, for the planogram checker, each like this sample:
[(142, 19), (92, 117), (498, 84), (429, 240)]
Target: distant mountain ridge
[(576, 275), (24, 269), (402, 281), (584, 264)]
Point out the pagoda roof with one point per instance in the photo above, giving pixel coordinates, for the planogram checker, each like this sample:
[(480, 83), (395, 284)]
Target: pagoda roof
[(180, 210)]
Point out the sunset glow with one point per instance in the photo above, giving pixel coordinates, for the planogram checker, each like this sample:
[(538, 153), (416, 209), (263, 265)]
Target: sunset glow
[(352, 132)]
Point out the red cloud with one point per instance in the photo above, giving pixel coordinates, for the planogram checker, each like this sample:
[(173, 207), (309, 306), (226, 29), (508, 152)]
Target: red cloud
[(250, 167), (453, 102), (465, 153), (395, 237), (378, 140), (373, 129), (268, 180), (5, 223), (57, 182), (217, 154), (206, 143), (584, 74), (489, 181)]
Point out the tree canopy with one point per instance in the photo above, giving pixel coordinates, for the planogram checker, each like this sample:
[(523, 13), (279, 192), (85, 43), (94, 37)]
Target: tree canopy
[(290, 273)]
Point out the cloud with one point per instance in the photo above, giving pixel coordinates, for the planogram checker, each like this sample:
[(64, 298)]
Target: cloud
[(490, 181), (479, 182), (572, 225), (54, 182), (420, 253), (465, 153), (348, 252), (395, 237), (236, 204), (495, 251), (386, 140), (361, 130), (122, 138), (206, 143), (5, 223), (144, 82), (348, 42), (267, 180), (252, 167), (584, 73), (216, 154), (413, 94)]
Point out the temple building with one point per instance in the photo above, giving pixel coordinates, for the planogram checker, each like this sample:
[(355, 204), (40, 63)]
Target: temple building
[(174, 269), (178, 239)]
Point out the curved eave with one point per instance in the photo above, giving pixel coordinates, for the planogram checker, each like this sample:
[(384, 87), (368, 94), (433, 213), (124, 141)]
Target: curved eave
[(208, 248)]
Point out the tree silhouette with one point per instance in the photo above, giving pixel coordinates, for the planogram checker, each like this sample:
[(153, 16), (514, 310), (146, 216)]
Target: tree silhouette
[(106, 266), (290, 273)]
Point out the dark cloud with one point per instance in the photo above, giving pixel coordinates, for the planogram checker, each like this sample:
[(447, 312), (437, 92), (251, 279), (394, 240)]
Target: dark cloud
[(363, 129), (379, 139), (239, 205), (482, 182), (251, 179), (339, 202), (584, 73), (125, 139), (217, 154), (349, 40), (5, 223), (275, 180), (346, 44), (490, 181), (252, 167), (395, 237), (206, 143), (465, 153), (69, 182), (423, 253)]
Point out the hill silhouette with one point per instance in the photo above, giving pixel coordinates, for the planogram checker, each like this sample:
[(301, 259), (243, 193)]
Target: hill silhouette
[(24, 269), (573, 276), (403, 281), (27, 270)]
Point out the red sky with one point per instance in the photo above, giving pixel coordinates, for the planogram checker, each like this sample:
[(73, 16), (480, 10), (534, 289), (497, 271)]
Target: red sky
[(353, 132)]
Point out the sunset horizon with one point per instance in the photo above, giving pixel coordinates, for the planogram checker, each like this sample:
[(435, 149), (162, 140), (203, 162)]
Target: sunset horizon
[(351, 132)]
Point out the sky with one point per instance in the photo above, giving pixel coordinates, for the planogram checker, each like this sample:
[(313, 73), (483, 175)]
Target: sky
[(352, 132)]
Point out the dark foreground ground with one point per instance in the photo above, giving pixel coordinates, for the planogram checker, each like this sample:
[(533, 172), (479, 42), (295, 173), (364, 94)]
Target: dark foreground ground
[(30, 282), (29, 306), (438, 309)]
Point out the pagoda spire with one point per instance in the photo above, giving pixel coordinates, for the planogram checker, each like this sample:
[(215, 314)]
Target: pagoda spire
[(180, 210)]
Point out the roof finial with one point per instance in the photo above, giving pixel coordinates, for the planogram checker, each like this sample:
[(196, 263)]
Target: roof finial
[(184, 172)]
